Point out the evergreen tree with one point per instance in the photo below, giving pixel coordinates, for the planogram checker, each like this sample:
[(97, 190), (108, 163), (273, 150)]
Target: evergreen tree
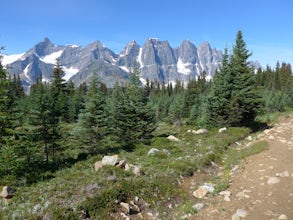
[(133, 119), (58, 93), (234, 99), (5, 123), (93, 121), (44, 119)]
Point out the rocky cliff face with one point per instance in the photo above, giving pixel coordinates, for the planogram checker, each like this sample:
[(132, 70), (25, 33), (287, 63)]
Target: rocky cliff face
[(156, 59)]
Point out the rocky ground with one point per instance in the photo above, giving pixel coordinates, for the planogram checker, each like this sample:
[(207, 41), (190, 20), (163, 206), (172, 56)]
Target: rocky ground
[(262, 188)]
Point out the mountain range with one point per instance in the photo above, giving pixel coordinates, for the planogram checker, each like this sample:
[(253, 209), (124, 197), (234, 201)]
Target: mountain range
[(157, 61)]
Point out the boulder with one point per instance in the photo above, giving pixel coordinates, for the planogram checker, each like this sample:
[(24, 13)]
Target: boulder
[(7, 192), (221, 130), (200, 193), (172, 138), (209, 187), (110, 160), (200, 131), (242, 213), (136, 170), (273, 180), (98, 165), (125, 207), (198, 206), (121, 164), (153, 151)]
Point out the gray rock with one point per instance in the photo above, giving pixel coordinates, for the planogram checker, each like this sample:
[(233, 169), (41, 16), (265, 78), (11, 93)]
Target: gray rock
[(153, 151), (283, 174), (283, 217), (200, 193), (235, 217), (242, 213), (125, 207), (221, 130), (249, 138), (98, 165), (110, 160), (209, 187), (273, 180), (172, 138), (7, 192), (198, 206), (121, 164), (201, 131)]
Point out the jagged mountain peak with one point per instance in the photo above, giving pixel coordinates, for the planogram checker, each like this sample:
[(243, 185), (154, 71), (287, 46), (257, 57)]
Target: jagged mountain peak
[(43, 48), (156, 59)]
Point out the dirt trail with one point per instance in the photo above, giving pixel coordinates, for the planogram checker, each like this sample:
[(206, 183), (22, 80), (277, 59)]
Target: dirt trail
[(263, 189)]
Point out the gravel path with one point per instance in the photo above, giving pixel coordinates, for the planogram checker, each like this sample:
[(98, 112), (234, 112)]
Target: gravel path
[(263, 189)]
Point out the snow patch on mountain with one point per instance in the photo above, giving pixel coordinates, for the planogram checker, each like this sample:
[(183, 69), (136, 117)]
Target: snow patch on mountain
[(25, 71), (69, 72), (139, 60), (125, 68), (143, 81), (7, 59), (51, 58), (183, 67)]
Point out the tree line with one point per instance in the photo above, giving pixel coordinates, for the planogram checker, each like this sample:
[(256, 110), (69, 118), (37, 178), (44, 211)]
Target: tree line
[(58, 124)]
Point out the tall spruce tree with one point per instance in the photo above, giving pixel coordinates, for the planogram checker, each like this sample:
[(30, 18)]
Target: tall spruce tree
[(133, 119), (93, 120), (5, 123), (234, 99)]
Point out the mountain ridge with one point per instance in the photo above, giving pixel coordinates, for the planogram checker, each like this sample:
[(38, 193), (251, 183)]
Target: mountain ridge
[(156, 60)]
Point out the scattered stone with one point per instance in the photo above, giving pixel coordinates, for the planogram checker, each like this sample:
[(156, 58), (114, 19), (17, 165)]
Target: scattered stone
[(200, 193), (198, 206), (165, 151), (241, 213), (110, 160), (140, 216), (172, 138), (125, 207), (235, 168), (125, 217), (153, 151), (273, 180), (271, 137), (134, 209), (7, 192), (221, 130), (209, 187), (98, 165), (283, 217), (226, 195), (249, 138), (283, 174), (235, 217), (136, 170), (243, 195), (121, 164), (200, 131)]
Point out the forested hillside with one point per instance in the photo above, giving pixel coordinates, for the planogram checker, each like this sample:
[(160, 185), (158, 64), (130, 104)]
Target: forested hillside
[(59, 125)]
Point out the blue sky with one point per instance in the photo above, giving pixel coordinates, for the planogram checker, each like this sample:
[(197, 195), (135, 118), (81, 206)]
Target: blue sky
[(267, 25)]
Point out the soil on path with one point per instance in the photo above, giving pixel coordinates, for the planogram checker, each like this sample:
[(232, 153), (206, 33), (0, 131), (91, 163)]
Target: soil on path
[(263, 189)]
